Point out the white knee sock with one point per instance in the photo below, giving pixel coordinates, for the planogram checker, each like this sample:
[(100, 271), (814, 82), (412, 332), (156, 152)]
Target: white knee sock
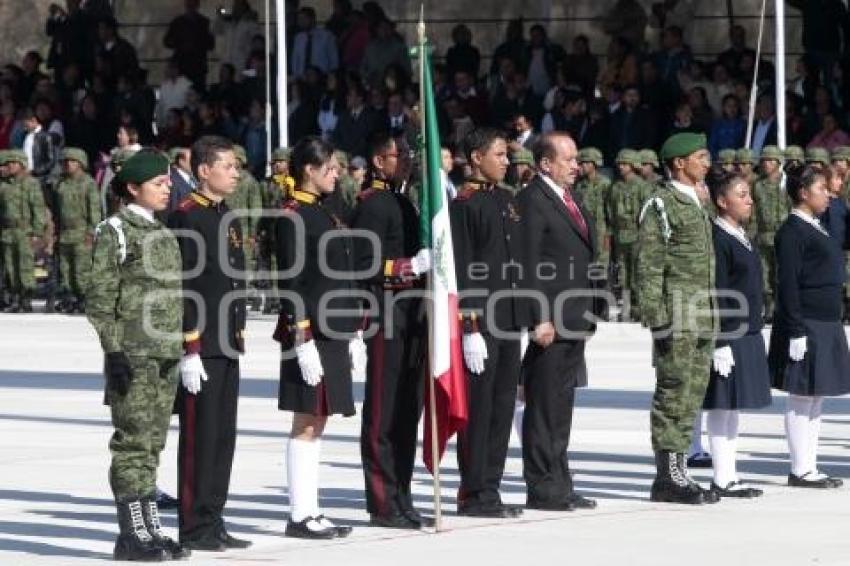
[(814, 435), (696, 438), (722, 427), (797, 420), (303, 469)]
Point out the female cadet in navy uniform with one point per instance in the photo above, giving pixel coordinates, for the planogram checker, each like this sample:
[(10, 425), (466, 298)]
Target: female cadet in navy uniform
[(315, 379), (808, 355), (739, 375)]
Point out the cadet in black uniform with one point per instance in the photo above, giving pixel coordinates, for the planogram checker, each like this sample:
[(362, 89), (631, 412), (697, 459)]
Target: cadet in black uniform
[(209, 368), (808, 355), (394, 382), (739, 376), (320, 351), (487, 244)]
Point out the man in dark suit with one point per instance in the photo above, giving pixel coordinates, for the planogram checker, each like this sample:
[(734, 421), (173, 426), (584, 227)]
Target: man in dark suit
[(182, 180), (632, 125), (560, 247), (356, 124)]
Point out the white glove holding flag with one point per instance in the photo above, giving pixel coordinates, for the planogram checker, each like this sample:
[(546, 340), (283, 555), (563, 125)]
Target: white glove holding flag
[(797, 349), (723, 361), (192, 373), (474, 352), (359, 357), (310, 363), (421, 262)]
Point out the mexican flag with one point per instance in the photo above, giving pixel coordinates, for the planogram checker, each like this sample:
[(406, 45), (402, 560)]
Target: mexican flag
[(446, 356)]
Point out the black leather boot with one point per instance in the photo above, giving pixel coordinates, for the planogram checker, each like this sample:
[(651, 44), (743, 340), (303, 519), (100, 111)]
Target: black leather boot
[(671, 485), (708, 495), (150, 511), (135, 543)]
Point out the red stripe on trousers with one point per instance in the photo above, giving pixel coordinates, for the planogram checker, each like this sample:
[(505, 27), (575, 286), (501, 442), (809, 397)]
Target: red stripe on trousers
[(187, 495), (375, 477)]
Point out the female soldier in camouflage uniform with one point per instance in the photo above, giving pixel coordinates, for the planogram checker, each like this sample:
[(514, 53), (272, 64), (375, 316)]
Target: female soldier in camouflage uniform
[(135, 305)]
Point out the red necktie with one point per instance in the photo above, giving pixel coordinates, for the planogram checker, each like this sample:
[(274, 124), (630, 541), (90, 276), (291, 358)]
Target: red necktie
[(575, 214)]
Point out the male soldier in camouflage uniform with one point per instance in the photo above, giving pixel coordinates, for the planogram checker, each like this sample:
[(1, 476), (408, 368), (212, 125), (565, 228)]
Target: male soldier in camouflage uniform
[(23, 217), (275, 192), (247, 198), (78, 211), (675, 279), (726, 159), (521, 170), (592, 190), (794, 156), (817, 158), (745, 164), (772, 206), (5, 185), (624, 204), (135, 304), (649, 167)]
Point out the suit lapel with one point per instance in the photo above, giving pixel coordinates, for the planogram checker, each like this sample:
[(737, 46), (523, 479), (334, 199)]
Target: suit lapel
[(561, 207)]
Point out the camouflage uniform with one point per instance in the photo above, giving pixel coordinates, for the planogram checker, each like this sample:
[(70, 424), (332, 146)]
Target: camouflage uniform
[(817, 156), (726, 158), (135, 305), (772, 206), (23, 217), (624, 205), (745, 156), (594, 193), (794, 155), (675, 275), (78, 209), (275, 191), (247, 197)]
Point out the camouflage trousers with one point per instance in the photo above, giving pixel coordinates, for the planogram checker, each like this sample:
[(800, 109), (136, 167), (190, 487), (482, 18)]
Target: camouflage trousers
[(19, 264), (74, 267), (682, 365), (140, 419), (768, 271)]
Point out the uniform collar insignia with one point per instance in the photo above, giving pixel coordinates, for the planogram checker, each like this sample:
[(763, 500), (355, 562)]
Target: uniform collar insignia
[(304, 197)]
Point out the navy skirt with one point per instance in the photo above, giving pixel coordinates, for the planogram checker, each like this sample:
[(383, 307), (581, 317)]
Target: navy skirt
[(824, 371), (748, 386), (332, 396)]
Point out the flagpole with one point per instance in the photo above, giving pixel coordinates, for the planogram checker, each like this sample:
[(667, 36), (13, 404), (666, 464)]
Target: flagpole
[(435, 451), (748, 142)]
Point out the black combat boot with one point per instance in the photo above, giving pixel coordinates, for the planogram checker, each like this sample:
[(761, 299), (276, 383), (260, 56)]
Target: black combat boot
[(150, 511), (671, 485), (26, 301), (135, 543), (708, 495)]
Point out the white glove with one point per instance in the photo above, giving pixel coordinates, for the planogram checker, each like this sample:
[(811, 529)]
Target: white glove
[(797, 349), (359, 357), (723, 361), (474, 352), (310, 363), (421, 262), (192, 373), (523, 343)]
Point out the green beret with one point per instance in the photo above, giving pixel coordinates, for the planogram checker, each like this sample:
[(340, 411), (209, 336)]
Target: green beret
[(120, 156), (772, 152), (745, 155), (522, 157), (647, 156), (143, 166), (281, 154), (240, 154), (591, 155), (76, 154), (341, 158), (841, 153), (682, 145), (817, 155), (726, 156), (794, 153), (16, 156), (175, 152), (629, 157)]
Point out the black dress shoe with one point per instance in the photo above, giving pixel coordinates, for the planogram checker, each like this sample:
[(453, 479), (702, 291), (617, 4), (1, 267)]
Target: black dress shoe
[(165, 501), (493, 510), (231, 541), (549, 505), (302, 529), (735, 489), (582, 502), (394, 521), (700, 460), (341, 531), (414, 516), (824, 482), (204, 544)]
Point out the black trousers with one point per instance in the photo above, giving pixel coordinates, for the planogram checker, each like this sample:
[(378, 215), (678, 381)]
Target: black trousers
[(391, 411), (551, 376), (207, 442), (483, 445)]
